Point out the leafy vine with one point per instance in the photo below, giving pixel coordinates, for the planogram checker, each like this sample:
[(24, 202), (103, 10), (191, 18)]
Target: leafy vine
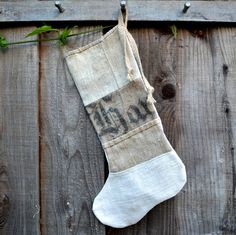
[(62, 35)]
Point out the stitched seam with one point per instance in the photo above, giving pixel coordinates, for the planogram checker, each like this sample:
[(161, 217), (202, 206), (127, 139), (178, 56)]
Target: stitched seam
[(115, 77), (131, 169), (92, 44), (135, 131), (126, 86)]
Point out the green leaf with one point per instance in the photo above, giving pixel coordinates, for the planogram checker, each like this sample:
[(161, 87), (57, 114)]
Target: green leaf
[(64, 35), (42, 29), (3, 42), (174, 30)]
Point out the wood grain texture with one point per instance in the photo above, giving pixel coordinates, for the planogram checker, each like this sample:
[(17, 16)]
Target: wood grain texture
[(204, 130), (198, 113), (72, 160), (224, 59), (19, 181), (194, 76), (221, 11)]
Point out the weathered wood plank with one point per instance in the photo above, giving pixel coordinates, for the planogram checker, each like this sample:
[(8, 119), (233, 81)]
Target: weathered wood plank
[(200, 11), (195, 79), (19, 188), (72, 160), (223, 46), (205, 130)]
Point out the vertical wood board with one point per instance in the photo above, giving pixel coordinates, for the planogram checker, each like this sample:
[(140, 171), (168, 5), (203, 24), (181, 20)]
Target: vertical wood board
[(72, 160), (194, 80), (19, 182)]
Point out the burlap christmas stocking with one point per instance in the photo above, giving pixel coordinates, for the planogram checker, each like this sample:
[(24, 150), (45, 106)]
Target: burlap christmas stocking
[(144, 169)]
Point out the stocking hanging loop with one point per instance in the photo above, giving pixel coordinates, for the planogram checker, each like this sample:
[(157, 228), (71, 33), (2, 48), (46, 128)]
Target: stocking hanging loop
[(123, 17)]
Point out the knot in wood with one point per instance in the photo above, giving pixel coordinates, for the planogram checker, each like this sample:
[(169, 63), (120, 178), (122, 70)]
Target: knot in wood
[(225, 69), (4, 209), (168, 91)]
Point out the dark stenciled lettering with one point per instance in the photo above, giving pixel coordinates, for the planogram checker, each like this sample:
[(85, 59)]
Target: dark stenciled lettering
[(120, 118), (107, 98), (109, 130), (112, 121), (135, 114), (146, 108), (97, 117), (106, 122), (105, 114)]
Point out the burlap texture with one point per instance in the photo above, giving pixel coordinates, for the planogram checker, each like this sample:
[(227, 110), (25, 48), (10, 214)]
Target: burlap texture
[(109, 76), (121, 111), (103, 66)]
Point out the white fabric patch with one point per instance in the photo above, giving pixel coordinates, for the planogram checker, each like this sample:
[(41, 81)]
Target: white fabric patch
[(128, 195)]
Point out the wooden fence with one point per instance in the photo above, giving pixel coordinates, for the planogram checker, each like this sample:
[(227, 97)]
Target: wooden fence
[(51, 162)]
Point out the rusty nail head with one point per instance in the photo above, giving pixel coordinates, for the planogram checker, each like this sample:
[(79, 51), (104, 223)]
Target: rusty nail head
[(59, 7), (123, 5), (186, 7)]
